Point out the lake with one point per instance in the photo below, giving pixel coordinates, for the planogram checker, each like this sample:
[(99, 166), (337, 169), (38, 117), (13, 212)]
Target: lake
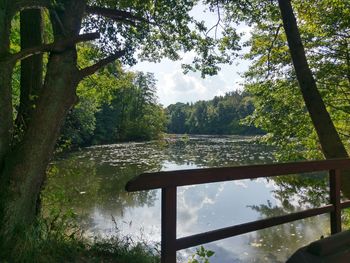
[(91, 182)]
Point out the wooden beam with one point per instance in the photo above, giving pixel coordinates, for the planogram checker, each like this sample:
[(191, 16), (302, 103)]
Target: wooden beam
[(226, 232), (168, 247), (345, 204), (156, 180), (334, 188)]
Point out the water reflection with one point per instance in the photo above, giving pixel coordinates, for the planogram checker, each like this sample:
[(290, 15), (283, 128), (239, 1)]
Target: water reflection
[(92, 181)]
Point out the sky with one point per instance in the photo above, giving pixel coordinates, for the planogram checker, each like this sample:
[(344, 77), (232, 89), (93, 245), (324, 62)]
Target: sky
[(174, 86)]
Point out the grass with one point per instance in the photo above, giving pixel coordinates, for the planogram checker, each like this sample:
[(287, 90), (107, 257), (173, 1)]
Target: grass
[(58, 241)]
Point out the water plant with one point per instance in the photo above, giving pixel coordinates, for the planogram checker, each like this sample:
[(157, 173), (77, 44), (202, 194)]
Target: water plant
[(202, 255)]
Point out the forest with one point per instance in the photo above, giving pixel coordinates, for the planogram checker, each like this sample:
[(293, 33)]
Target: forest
[(132, 114), (65, 82), (220, 116), (129, 111)]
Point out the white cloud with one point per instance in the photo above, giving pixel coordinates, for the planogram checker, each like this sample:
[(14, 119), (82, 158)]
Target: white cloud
[(173, 86), (177, 87)]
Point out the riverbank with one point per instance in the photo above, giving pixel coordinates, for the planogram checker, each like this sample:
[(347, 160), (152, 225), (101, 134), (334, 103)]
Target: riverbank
[(54, 244), (91, 182)]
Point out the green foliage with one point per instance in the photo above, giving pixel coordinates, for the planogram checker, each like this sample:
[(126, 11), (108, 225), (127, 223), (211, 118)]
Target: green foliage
[(114, 105), (202, 255), (53, 241), (279, 105), (132, 114), (56, 236), (164, 28), (221, 115)]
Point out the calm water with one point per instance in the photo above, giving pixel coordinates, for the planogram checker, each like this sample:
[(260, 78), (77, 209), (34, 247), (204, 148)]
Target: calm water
[(92, 182)]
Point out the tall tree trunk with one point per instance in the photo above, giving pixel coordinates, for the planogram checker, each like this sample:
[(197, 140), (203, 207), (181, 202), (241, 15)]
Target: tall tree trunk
[(330, 141), (24, 167), (6, 69), (31, 68)]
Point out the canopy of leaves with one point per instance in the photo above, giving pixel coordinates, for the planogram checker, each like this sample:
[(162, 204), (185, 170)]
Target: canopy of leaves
[(279, 106), (151, 30)]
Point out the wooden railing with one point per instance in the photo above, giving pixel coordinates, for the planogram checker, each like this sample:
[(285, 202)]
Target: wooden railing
[(170, 180)]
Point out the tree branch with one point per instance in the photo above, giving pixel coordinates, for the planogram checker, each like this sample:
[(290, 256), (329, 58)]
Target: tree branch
[(217, 22), (269, 51), (19, 5), (115, 14), (58, 46), (103, 62)]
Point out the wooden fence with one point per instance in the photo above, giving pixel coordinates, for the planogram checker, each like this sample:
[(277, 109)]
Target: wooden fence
[(169, 181)]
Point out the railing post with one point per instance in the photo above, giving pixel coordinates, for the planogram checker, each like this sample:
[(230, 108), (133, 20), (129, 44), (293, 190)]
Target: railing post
[(334, 186), (168, 242)]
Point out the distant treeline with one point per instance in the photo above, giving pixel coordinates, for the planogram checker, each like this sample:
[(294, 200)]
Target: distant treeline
[(127, 110), (221, 115), (117, 106)]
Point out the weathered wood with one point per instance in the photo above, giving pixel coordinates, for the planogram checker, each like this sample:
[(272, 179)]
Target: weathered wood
[(226, 232), (345, 204), (334, 186), (156, 180), (168, 181), (168, 245)]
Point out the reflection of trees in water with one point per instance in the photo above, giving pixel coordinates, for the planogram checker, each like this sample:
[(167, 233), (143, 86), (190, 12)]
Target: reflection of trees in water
[(294, 193), (309, 189), (286, 238), (86, 185), (214, 152), (96, 177)]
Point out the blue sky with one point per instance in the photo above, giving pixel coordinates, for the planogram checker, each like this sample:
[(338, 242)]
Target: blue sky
[(174, 86)]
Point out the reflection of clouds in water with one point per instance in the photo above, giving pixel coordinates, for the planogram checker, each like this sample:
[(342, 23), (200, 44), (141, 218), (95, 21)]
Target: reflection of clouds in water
[(233, 250), (191, 200), (144, 226), (240, 183), (211, 206), (273, 245), (200, 208)]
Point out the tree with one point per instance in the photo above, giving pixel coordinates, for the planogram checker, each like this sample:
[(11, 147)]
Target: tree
[(177, 118), (31, 24), (330, 141), (221, 115), (156, 29), (269, 14), (132, 113)]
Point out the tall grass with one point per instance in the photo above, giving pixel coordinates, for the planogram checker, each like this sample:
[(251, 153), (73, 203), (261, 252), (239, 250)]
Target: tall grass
[(58, 240)]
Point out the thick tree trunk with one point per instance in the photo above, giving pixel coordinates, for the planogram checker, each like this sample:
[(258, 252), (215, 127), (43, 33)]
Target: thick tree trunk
[(24, 166), (330, 141), (6, 123), (6, 69), (31, 68)]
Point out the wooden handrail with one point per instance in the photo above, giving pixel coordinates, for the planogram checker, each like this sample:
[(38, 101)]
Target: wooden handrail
[(168, 181), (202, 238), (148, 181)]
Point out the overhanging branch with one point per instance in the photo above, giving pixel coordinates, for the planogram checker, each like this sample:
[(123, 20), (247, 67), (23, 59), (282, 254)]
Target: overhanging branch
[(103, 62), (58, 46), (115, 14), (19, 5)]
